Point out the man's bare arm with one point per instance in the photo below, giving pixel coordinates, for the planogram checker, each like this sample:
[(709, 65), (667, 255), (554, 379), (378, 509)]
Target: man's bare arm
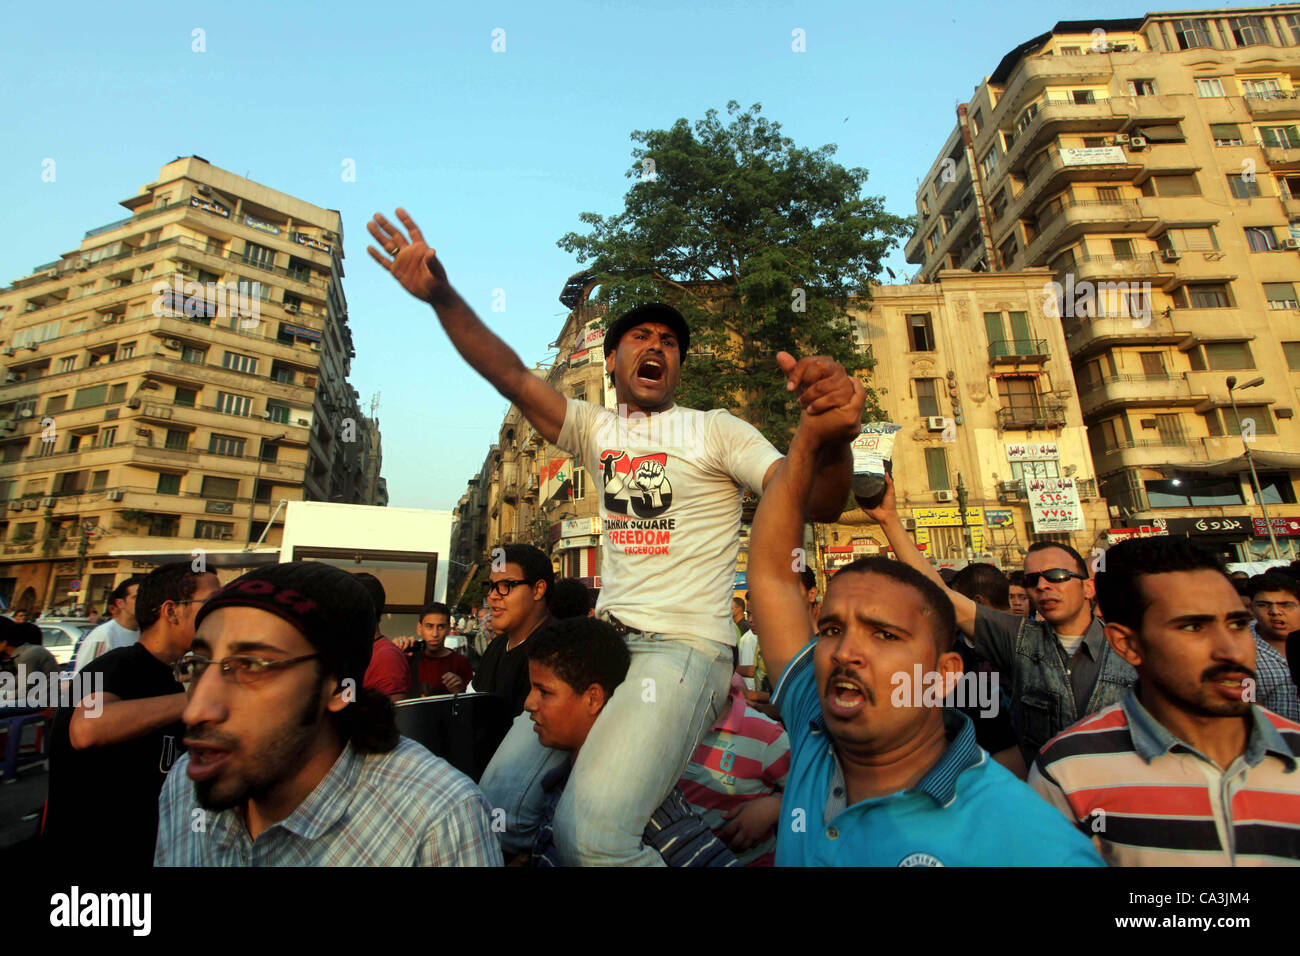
[(121, 720), (886, 515), (417, 268)]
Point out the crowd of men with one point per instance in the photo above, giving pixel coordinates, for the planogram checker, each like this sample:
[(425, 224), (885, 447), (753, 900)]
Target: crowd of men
[(1137, 716)]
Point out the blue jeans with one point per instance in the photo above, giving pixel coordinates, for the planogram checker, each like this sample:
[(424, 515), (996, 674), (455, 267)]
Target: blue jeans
[(634, 755)]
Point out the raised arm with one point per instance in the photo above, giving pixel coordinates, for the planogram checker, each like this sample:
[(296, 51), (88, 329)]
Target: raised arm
[(121, 720), (417, 268), (886, 515), (780, 615)]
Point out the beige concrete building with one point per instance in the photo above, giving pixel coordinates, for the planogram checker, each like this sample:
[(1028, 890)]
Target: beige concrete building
[(171, 381), (1153, 166)]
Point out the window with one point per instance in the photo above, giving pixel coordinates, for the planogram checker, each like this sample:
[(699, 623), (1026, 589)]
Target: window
[(94, 395), (67, 364), (1193, 239), (1228, 355), (224, 488), (1247, 31), (1290, 186), (169, 484), (976, 122), (1292, 352), (1243, 188), (1259, 414), (1191, 34), (270, 450), (999, 204), (239, 363), (579, 483), (936, 466), (186, 397), (1036, 469), (990, 162), (1070, 51), (1293, 21), (263, 490), (107, 436), (1108, 194), (1178, 185), (1027, 117), (1280, 295), (98, 480), (117, 393), (1204, 295), (1142, 87), (214, 530), (226, 445), (1276, 488), (1122, 249), (1082, 97), (125, 351), (14, 450), (254, 289), (193, 355), (921, 335), (1261, 89), (231, 404), (1279, 137), (1226, 134), (177, 440), (1261, 239), (259, 256), (1193, 492), (1020, 394), (927, 397), (55, 403), (278, 413), (1008, 250), (163, 526), (1209, 86), (283, 374)]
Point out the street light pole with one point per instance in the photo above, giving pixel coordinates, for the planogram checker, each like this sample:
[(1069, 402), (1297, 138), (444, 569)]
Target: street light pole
[(962, 497), (1254, 477)]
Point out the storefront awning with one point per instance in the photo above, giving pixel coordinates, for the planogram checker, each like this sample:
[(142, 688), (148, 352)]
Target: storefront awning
[(1231, 466)]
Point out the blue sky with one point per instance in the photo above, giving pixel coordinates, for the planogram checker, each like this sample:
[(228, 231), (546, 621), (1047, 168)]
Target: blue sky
[(495, 154)]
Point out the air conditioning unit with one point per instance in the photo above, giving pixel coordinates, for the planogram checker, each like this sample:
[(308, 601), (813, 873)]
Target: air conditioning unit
[(173, 344), (1009, 487), (82, 265), (1136, 143), (1120, 139), (944, 496), (1122, 48), (47, 502), (303, 422), (331, 236), (1290, 243), (108, 320), (291, 307), (11, 377), (115, 495), (267, 414), (309, 381), (11, 351), (1170, 255), (936, 423), (133, 401), (31, 504), (204, 190), (909, 524), (315, 346), (8, 425)]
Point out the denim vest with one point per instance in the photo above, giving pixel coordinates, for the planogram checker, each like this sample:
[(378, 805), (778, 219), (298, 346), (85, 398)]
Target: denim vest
[(1042, 699)]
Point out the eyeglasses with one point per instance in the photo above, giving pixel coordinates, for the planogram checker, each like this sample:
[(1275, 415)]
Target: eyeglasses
[(239, 669), (1055, 575), (506, 585), (1280, 605)]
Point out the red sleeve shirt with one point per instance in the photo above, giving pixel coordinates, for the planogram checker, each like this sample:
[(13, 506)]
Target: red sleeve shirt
[(388, 673), (432, 670)]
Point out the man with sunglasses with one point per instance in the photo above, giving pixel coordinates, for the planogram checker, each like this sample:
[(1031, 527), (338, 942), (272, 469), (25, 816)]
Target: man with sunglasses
[(1060, 667), (1275, 604), (290, 760), (110, 753)]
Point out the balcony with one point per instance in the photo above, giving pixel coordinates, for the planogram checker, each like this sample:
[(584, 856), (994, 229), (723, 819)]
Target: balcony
[(1148, 453), (293, 275), (1282, 159), (1140, 390), (1015, 351), (1085, 337), (1053, 174), (1067, 222), (143, 451), (1058, 117), (1273, 104), (1029, 417), (1149, 267)]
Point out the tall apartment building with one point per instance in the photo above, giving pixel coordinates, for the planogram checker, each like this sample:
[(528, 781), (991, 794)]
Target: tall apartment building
[(171, 381), (1153, 166)]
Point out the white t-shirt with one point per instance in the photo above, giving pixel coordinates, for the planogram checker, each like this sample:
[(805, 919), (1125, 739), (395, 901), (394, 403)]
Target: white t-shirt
[(746, 649), (670, 486), (1070, 642), (106, 637)]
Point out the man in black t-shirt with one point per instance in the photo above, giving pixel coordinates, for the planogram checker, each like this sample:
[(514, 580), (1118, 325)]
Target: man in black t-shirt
[(517, 597), (110, 753)]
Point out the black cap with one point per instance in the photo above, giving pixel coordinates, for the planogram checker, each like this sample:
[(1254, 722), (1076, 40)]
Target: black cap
[(649, 312)]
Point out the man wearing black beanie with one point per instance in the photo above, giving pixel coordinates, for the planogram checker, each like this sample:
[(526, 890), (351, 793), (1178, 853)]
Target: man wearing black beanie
[(291, 761)]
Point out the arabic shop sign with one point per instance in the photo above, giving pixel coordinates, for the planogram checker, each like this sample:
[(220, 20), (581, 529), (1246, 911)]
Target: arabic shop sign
[(946, 517), (1282, 527), (207, 205), (1033, 451), (1238, 526)]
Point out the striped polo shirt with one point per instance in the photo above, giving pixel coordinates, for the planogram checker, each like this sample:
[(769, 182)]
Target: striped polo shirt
[(745, 755), (1148, 799)]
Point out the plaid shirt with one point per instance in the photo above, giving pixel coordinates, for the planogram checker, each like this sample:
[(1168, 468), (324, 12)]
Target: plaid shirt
[(1277, 691), (403, 808)]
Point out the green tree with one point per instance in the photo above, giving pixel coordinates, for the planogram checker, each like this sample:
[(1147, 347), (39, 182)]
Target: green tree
[(760, 244)]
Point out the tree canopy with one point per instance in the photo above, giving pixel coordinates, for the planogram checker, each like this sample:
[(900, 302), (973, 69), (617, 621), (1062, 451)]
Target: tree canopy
[(760, 243)]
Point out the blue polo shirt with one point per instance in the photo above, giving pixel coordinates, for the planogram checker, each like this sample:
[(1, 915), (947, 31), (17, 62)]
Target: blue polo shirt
[(968, 810)]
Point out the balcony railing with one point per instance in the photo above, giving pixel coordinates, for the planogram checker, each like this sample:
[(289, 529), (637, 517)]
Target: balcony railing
[(1042, 415), (1018, 350)]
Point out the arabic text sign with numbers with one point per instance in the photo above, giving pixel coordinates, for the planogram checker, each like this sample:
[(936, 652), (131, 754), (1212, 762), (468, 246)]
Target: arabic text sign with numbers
[(1054, 504)]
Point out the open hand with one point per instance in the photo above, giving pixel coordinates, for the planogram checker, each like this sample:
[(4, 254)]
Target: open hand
[(413, 263)]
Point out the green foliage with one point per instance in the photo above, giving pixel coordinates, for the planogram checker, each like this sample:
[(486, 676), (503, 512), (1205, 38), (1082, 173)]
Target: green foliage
[(738, 228)]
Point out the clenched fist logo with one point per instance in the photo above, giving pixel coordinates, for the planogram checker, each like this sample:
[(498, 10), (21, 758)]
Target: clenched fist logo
[(652, 481)]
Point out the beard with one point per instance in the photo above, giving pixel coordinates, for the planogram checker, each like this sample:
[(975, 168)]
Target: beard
[(271, 764)]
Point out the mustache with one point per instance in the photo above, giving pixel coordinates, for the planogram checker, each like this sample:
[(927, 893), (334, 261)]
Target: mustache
[(1227, 670), (841, 671), (211, 738)]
